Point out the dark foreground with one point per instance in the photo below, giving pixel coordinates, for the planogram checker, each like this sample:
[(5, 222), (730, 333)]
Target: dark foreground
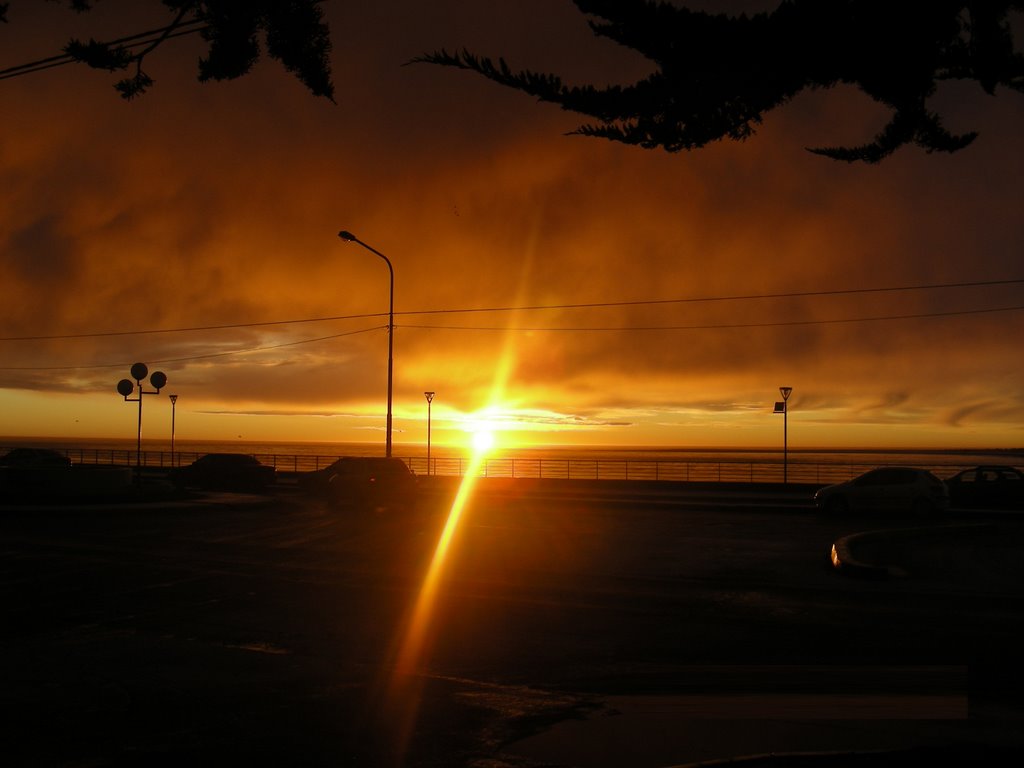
[(568, 632)]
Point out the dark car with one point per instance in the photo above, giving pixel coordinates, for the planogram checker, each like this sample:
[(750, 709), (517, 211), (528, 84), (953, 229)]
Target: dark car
[(363, 482), (225, 472), (34, 457), (38, 469), (886, 489), (987, 487), (316, 482)]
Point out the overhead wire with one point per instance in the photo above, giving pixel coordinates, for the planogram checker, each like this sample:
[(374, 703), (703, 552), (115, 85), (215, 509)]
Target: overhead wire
[(131, 41), (531, 308), (508, 328), (192, 358), (720, 326)]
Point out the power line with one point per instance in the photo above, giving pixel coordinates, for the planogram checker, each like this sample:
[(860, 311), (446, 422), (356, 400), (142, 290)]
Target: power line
[(528, 308), (131, 41), (192, 358), (576, 329), (722, 326), (735, 297), (191, 329)]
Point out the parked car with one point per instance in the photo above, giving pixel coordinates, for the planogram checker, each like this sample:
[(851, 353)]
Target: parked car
[(364, 482), (317, 481), (38, 469), (34, 457), (987, 487), (225, 472), (887, 489)]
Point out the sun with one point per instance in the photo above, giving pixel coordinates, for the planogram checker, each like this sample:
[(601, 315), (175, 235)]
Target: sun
[(482, 438)]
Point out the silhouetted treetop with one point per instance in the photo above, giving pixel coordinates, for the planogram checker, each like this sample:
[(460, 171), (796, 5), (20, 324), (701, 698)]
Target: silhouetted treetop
[(293, 32), (717, 75)]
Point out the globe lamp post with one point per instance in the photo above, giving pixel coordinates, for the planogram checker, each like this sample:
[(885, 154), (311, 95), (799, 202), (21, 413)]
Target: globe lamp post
[(125, 388)]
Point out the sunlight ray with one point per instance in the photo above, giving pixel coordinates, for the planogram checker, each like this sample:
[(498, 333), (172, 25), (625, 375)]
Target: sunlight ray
[(403, 692)]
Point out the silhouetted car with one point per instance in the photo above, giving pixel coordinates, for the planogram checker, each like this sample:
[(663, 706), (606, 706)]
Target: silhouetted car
[(987, 487), (316, 482), (364, 482), (36, 469), (887, 489), (34, 457), (225, 472)]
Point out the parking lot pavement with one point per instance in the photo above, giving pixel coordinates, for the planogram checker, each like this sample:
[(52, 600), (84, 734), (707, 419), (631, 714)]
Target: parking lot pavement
[(237, 632)]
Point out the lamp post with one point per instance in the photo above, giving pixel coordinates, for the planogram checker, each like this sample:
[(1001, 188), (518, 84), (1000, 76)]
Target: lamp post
[(430, 399), (125, 387), (783, 408), (348, 237), (174, 401)]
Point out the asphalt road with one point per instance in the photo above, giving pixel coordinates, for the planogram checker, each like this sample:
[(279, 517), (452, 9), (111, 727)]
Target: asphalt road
[(646, 634)]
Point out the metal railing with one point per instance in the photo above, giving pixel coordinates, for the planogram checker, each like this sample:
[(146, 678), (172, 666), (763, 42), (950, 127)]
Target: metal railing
[(695, 470)]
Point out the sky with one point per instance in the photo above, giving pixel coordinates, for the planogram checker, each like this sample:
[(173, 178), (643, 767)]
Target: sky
[(217, 206)]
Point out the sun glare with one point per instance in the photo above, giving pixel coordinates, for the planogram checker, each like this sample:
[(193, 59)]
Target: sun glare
[(483, 439), (481, 432)]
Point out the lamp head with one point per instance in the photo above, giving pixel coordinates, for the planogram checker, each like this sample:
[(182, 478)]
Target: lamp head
[(347, 236)]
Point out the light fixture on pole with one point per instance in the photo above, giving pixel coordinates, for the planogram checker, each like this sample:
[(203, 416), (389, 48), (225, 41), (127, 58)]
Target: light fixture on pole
[(125, 387), (783, 408), (430, 399), (174, 402), (348, 237)]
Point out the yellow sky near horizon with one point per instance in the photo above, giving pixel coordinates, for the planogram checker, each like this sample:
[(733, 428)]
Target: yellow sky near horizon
[(217, 206)]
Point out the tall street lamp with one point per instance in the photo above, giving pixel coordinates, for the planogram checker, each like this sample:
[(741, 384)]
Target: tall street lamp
[(125, 387), (174, 402), (783, 408), (348, 237), (430, 399)]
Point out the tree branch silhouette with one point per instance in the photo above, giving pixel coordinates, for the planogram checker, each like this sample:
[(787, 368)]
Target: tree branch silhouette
[(294, 33), (717, 75)]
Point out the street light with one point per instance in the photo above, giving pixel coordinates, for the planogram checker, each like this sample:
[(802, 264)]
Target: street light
[(783, 408), (125, 387), (348, 237), (174, 401), (430, 399)]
